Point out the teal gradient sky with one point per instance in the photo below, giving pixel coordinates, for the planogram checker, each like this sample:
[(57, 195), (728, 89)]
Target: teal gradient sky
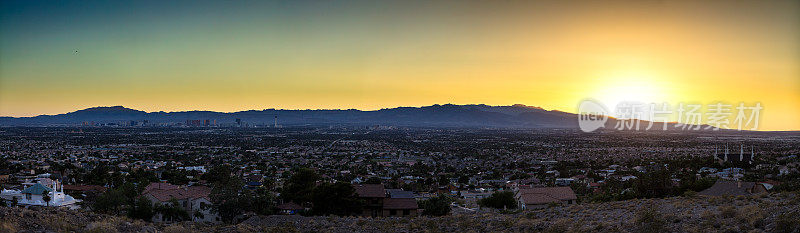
[(240, 55)]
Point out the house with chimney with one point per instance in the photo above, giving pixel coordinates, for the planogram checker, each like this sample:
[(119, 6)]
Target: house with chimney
[(381, 202), (193, 199), (400, 203)]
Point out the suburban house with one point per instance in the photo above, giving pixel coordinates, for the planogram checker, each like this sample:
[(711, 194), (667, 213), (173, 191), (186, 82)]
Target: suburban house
[(372, 195), (192, 199), (531, 198), (85, 191), (399, 203), (733, 188), (33, 195), (381, 202)]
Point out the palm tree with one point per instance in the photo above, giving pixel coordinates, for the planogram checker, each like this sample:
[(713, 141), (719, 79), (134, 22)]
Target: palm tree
[(46, 198)]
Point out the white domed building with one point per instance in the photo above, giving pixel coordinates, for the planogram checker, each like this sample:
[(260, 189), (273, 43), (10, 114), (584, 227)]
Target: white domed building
[(34, 195)]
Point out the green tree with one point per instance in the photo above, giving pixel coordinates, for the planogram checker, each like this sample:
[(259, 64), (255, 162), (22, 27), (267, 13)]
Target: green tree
[(142, 208), (263, 202), (129, 191), (653, 184), (580, 188), (110, 202), (499, 200), (142, 178), (300, 185), (174, 176), (229, 199), (437, 206), (123, 197), (337, 199), (220, 173), (172, 211)]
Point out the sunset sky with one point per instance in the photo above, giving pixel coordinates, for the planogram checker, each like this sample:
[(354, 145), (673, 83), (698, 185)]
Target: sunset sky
[(237, 55)]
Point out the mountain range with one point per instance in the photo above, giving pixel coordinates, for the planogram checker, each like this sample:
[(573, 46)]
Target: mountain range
[(447, 115)]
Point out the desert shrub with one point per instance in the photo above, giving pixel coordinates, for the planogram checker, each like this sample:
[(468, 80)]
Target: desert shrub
[(715, 200), (437, 206), (727, 211), (361, 222), (730, 229), (709, 219), (649, 220), (279, 229), (102, 226), (176, 229), (59, 224), (601, 227), (689, 193), (787, 222), (562, 225), (753, 216), (7, 227), (507, 223)]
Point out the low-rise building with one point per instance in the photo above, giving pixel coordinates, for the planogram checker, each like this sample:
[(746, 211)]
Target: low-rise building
[(193, 199), (733, 188), (381, 202), (540, 197), (34, 195)]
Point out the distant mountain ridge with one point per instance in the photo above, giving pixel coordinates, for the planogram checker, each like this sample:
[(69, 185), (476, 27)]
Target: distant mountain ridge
[(447, 115), (476, 115)]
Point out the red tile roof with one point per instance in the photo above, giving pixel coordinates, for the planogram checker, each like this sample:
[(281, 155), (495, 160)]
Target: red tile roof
[(165, 192), (400, 203), (370, 190), (161, 186), (537, 198), (533, 196)]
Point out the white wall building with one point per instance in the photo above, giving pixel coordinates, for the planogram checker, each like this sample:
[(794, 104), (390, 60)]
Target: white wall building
[(33, 195)]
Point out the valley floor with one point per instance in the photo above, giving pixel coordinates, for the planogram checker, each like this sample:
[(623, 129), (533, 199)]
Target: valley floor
[(764, 213)]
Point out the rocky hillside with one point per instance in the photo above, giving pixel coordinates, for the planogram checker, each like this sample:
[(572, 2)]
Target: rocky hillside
[(766, 213)]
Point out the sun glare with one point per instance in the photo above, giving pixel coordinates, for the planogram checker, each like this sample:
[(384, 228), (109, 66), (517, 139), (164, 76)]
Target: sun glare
[(630, 87)]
